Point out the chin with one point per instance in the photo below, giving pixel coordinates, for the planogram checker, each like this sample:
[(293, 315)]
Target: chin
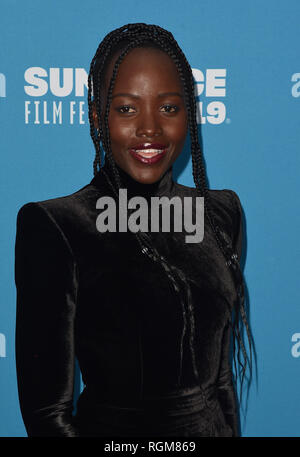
[(149, 177)]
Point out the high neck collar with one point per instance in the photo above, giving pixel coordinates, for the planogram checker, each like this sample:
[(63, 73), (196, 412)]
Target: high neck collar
[(134, 188)]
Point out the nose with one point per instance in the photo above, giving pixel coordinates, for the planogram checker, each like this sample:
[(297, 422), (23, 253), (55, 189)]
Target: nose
[(148, 125)]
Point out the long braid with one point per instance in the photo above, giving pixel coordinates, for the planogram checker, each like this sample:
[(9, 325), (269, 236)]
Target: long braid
[(135, 35), (230, 256)]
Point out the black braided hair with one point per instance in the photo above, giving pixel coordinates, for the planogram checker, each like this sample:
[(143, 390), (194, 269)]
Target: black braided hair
[(124, 39)]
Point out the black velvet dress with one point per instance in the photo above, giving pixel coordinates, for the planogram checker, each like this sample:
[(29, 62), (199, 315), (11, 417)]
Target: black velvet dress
[(95, 296)]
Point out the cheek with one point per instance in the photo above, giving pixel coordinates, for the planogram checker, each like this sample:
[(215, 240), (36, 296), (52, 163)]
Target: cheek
[(120, 132), (177, 131)]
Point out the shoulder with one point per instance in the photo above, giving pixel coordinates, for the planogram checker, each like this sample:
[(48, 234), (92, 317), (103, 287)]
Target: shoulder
[(49, 225), (225, 205), (60, 210), (224, 200)]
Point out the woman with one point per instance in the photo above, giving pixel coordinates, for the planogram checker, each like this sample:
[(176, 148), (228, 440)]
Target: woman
[(147, 314)]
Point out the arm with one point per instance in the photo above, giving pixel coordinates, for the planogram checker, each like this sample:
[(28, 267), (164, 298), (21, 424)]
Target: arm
[(226, 391), (45, 276), (237, 240)]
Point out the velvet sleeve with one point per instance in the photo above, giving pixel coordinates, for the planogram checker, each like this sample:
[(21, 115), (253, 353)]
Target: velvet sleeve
[(237, 236), (226, 391), (45, 276)]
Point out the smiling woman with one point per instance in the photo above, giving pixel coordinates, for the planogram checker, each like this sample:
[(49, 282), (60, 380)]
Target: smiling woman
[(148, 315)]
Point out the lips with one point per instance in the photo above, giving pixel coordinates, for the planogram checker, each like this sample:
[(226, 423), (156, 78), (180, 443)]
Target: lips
[(148, 153)]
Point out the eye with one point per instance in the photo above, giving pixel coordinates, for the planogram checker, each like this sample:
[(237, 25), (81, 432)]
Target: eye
[(125, 109), (170, 108)]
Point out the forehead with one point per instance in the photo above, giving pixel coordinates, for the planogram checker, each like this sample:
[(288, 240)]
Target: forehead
[(145, 64)]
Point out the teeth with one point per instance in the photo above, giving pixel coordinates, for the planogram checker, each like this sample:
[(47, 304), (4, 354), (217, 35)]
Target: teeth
[(149, 151)]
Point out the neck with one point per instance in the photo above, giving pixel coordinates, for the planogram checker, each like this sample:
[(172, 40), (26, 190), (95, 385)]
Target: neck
[(135, 188)]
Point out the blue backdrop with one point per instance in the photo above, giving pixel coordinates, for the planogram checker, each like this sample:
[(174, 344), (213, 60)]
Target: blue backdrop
[(246, 61)]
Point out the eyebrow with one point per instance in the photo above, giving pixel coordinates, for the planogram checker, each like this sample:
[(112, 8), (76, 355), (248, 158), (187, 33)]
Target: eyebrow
[(125, 94)]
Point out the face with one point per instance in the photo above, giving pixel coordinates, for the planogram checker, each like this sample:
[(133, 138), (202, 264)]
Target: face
[(147, 117)]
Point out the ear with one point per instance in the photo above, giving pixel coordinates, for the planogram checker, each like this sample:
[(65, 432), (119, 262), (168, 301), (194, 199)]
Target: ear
[(95, 115)]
